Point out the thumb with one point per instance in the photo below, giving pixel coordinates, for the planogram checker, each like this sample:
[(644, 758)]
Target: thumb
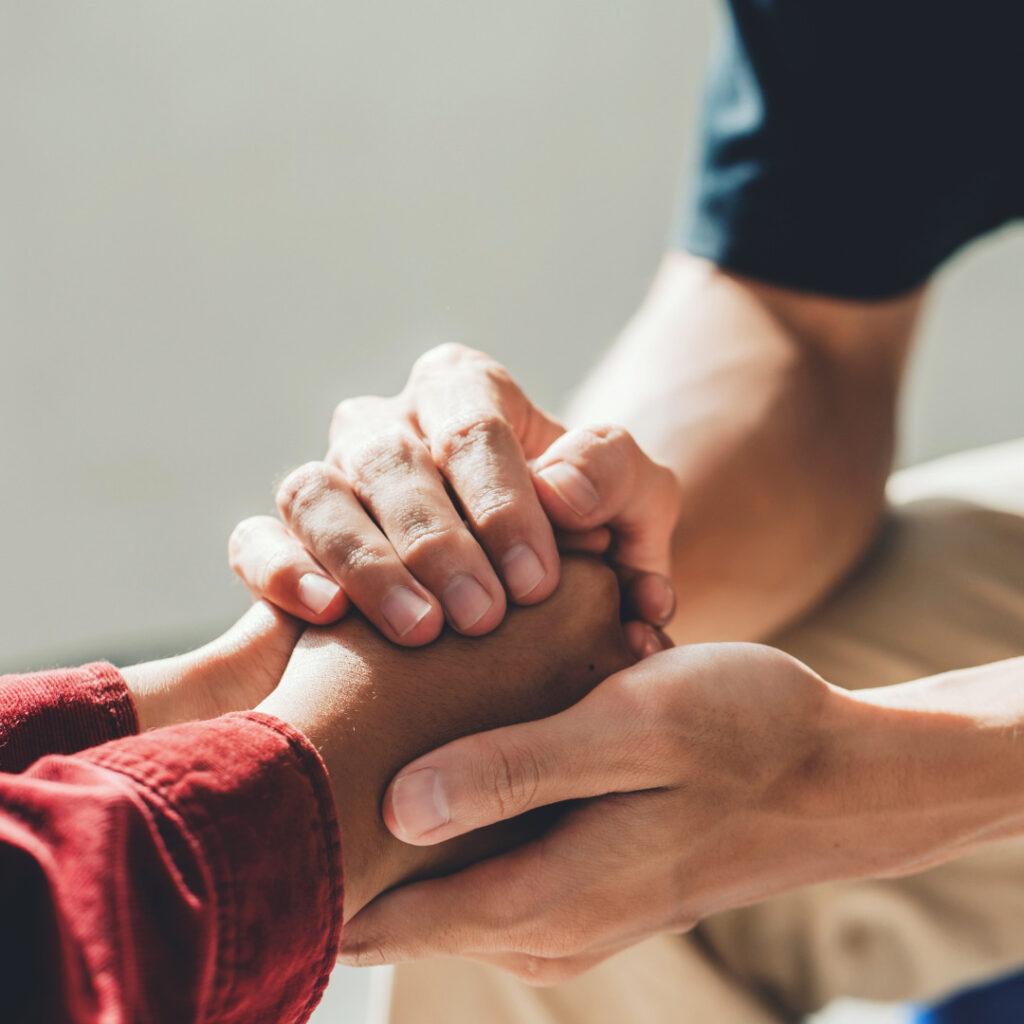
[(600, 477), (500, 774)]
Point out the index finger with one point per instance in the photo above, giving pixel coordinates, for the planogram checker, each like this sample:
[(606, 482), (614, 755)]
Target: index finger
[(518, 902)]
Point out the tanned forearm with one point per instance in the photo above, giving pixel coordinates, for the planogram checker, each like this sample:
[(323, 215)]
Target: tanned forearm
[(775, 410)]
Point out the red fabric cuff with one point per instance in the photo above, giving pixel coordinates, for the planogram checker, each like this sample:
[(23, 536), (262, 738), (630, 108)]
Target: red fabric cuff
[(253, 800), (62, 712)]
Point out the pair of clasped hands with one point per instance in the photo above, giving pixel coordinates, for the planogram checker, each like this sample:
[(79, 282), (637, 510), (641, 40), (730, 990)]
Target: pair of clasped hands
[(450, 504)]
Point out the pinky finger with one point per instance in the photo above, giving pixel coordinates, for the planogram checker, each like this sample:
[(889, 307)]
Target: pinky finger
[(275, 566)]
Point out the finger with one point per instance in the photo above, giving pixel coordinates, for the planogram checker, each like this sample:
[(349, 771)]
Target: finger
[(524, 901), (275, 566), (320, 509), (477, 422), (600, 476), (587, 750), (594, 542), (394, 477), (646, 595), (643, 640)]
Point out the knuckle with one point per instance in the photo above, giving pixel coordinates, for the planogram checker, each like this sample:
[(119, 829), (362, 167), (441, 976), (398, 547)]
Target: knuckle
[(353, 411), (302, 488), (423, 541), (495, 509), (448, 354), (475, 429), (274, 572), (512, 777), (347, 553), (379, 457)]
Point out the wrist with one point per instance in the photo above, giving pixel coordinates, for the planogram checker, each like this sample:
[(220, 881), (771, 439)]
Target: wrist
[(232, 673), (914, 775)]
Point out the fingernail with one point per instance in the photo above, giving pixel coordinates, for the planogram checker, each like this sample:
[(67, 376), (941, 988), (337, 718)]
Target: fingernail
[(466, 601), (404, 609), (316, 592), (665, 600), (652, 645), (572, 487), (418, 803), (523, 569)]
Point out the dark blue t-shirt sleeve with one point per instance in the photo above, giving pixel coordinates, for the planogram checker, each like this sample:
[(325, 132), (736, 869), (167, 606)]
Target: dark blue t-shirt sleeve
[(849, 148)]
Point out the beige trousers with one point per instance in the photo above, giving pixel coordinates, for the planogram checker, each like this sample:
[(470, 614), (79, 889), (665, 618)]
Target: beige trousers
[(943, 589)]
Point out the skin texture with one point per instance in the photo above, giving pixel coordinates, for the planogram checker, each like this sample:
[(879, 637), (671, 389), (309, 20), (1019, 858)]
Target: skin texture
[(445, 502), (369, 706)]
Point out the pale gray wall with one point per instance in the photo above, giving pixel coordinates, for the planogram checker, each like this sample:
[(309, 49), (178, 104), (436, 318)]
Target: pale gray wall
[(217, 219)]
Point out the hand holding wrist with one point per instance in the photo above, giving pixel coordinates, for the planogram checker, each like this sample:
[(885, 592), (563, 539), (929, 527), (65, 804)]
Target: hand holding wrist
[(370, 706)]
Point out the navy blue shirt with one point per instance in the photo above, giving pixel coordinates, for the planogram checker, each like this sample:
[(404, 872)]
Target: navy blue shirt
[(848, 148)]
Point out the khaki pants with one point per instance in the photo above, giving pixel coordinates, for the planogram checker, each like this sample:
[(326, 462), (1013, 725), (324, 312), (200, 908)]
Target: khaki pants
[(943, 589)]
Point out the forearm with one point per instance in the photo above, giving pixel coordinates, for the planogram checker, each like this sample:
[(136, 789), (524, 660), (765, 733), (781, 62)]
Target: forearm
[(927, 771), (775, 411)]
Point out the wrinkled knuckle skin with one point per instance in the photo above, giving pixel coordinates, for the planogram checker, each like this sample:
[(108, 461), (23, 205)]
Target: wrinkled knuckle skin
[(481, 428), (496, 510), (384, 456), (514, 778), (301, 489), (424, 542)]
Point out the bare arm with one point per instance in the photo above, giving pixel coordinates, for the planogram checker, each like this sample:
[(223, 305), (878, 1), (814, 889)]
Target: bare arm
[(775, 410)]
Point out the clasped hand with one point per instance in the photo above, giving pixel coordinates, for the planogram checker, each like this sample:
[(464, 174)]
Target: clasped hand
[(686, 771)]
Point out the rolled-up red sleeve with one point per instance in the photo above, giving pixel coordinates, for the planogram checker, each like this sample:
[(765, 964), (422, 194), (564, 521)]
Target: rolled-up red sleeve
[(61, 712), (189, 874)]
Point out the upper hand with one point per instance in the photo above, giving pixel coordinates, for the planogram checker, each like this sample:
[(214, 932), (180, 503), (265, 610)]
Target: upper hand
[(432, 504), (692, 772)]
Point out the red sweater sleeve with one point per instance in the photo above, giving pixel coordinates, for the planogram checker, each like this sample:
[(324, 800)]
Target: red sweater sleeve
[(190, 874), (61, 712)]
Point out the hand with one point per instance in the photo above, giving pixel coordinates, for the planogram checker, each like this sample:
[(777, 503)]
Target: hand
[(232, 673), (369, 706), (433, 503), (693, 768)]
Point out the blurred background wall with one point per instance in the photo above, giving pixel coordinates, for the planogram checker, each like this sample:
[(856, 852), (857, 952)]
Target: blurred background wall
[(216, 220)]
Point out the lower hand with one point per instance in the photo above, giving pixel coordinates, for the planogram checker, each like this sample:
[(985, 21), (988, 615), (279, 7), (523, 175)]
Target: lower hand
[(369, 706), (693, 771), (436, 503)]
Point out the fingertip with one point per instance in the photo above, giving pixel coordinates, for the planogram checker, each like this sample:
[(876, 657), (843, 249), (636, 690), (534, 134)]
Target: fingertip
[(416, 809), (654, 598), (317, 594), (426, 631), (643, 640), (472, 608), (528, 577), (566, 493)]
